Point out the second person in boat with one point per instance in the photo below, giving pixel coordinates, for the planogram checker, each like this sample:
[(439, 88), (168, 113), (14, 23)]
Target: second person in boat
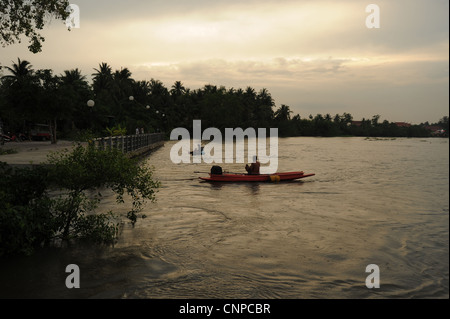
[(253, 169)]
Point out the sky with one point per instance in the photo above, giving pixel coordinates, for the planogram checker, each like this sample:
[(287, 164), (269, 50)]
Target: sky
[(317, 57)]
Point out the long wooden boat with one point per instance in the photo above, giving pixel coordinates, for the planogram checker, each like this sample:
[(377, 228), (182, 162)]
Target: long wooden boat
[(234, 177)]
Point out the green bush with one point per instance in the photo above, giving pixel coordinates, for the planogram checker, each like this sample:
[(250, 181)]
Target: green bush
[(25, 221), (55, 201)]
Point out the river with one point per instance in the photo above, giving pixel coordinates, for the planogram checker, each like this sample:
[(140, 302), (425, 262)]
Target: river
[(372, 201)]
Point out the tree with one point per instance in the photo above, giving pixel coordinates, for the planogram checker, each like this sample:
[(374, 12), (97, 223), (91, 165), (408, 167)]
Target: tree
[(264, 104), (19, 18), (20, 91), (178, 89), (102, 86), (443, 122), (86, 168), (75, 92), (160, 95), (122, 84), (56, 203), (19, 70), (375, 119), (282, 118), (102, 79), (283, 113), (40, 96), (180, 97), (73, 77)]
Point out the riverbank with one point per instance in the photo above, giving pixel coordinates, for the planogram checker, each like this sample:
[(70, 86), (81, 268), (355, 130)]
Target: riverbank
[(35, 153), (32, 153)]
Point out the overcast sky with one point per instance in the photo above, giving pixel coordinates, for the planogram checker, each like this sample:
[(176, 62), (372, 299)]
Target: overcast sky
[(315, 56)]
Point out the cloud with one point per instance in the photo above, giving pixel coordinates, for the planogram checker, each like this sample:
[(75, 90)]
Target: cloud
[(414, 91), (268, 71)]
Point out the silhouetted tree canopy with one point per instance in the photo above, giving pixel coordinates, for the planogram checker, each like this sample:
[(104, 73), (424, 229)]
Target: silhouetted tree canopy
[(25, 18), (123, 104)]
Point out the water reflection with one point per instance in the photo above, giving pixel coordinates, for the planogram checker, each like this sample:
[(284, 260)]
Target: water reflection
[(247, 189)]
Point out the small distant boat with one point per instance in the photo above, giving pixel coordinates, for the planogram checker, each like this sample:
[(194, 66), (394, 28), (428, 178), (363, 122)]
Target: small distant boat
[(198, 151), (234, 177)]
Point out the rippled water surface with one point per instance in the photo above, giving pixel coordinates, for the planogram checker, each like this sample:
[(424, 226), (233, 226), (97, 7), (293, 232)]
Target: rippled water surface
[(372, 201)]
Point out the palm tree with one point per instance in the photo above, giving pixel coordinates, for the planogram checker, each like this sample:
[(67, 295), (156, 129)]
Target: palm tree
[(160, 97), (122, 84), (73, 76), (177, 89), (250, 92), (265, 98), (141, 90), (249, 115), (124, 75), (20, 93), (157, 87), (103, 78), (51, 104), (75, 91), (283, 113), (208, 88), (264, 105), (104, 69), (20, 70)]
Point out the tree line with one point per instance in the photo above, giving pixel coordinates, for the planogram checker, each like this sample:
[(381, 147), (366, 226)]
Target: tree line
[(119, 103), (344, 125)]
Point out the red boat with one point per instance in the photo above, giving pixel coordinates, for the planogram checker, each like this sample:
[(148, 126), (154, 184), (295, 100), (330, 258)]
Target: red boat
[(233, 177)]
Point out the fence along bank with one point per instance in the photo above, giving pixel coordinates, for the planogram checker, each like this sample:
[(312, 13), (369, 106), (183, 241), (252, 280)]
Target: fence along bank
[(132, 145)]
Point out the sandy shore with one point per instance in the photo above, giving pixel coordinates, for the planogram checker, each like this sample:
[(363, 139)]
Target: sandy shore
[(31, 153)]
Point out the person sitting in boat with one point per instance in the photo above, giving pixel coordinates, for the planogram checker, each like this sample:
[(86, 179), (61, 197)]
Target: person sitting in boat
[(198, 150), (253, 169)]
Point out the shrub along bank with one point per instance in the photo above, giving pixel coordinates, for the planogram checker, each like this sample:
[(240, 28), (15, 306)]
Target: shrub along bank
[(56, 202)]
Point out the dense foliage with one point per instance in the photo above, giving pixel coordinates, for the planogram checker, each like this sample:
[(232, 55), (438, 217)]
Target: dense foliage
[(122, 104), (56, 202)]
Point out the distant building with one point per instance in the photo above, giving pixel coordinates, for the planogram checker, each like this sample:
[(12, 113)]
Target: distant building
[(402, 124), (399, 124), (356, 123), (435, 130)]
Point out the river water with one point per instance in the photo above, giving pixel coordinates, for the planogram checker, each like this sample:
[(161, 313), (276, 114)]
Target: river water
[(372, 201)]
